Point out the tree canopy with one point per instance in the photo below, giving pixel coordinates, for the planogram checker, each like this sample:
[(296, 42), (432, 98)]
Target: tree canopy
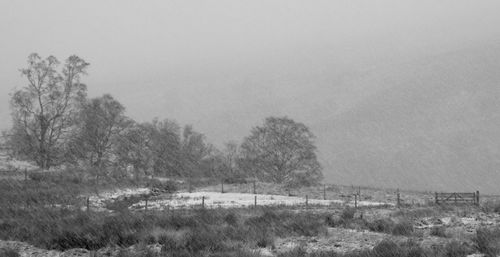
[(55, 123), (281, 151)]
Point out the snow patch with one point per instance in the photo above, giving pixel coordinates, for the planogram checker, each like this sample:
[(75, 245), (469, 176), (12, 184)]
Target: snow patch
[(235, 200)]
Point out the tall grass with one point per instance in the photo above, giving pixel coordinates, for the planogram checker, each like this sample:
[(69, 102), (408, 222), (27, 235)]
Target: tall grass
[(190, 231), (389, 248)]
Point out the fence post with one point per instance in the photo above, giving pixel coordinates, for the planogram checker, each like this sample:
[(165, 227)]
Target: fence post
[(455, 194), (203, 202), (307, 198), (398, 204), (25, 175), (324, 192), (255, 202), (189, 186), (359, 192), (436, 197), (88, 204), (355, 201), (146, 206), (222, 186), (477, 197), (254, 191)]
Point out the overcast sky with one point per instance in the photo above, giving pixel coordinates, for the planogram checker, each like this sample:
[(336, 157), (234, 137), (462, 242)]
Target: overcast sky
[(193, 60), (225, 65)]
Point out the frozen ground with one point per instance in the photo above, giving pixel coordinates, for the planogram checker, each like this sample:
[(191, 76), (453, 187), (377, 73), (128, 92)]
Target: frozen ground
[(238, 200), (213, 200), (98, 201)]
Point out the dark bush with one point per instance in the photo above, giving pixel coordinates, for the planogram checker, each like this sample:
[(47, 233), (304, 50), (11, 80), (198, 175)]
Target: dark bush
[(168, 186), (324, 254), (231, 219), (235, 179), (264, 239), (457, 249), (304, 225), (334, 222), (295, 252), (403, 228), (123, 203), (348, 213), (387, 249), (381, 225), (203, 240), (38, 176), (488, 241), (439, 231), (71, 239), (9, 253), (178, 221)]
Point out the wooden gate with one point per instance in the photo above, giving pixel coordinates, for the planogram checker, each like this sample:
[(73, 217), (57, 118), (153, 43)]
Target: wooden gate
[(457, 198)]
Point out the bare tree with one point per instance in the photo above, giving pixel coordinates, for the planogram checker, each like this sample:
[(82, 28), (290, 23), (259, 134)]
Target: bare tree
[(165, 145), (281, 151), (196, 153), (102, 119), (43, 111), (133, 148)]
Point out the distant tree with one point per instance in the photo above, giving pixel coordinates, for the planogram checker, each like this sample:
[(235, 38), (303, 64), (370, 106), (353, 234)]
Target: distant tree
[(165, 145), (102, 119), (281, 151), (195, 152), (133, 148), (231, 155), (43, 112)]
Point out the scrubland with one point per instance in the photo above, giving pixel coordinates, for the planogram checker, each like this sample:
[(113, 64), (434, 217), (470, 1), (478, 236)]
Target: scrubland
[(65, 213)]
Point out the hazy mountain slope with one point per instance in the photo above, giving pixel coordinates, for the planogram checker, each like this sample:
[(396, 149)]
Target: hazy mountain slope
[(437, 126)]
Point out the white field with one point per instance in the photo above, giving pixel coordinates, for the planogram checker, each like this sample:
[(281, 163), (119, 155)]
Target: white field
[(98, 201), (237, 200)]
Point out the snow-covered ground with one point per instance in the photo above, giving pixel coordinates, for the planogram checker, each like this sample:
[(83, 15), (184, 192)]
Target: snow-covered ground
[(98, 202), (236, 200)]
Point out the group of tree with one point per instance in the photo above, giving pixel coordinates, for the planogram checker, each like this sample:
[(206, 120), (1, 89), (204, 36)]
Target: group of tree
[(55, 123)]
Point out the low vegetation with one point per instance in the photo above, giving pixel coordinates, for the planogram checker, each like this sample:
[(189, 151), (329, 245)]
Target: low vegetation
[(389, 248)]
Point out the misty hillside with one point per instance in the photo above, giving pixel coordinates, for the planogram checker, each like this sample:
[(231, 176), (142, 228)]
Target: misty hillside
[(436, 118)]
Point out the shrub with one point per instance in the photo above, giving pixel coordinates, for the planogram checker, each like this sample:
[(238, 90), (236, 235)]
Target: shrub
[(348, 213), (403, 228), (9, 253), (235, 179), (168, 186), (304, 225), (439, 231), (203, 239), (123, 203), (324, 254), (488, 241), (387, 248), (457, 249), (239, 253), (333, 222), (231, 219), (295, 252), (38, 176), (264, 239), (381, 225), (72, 239)]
